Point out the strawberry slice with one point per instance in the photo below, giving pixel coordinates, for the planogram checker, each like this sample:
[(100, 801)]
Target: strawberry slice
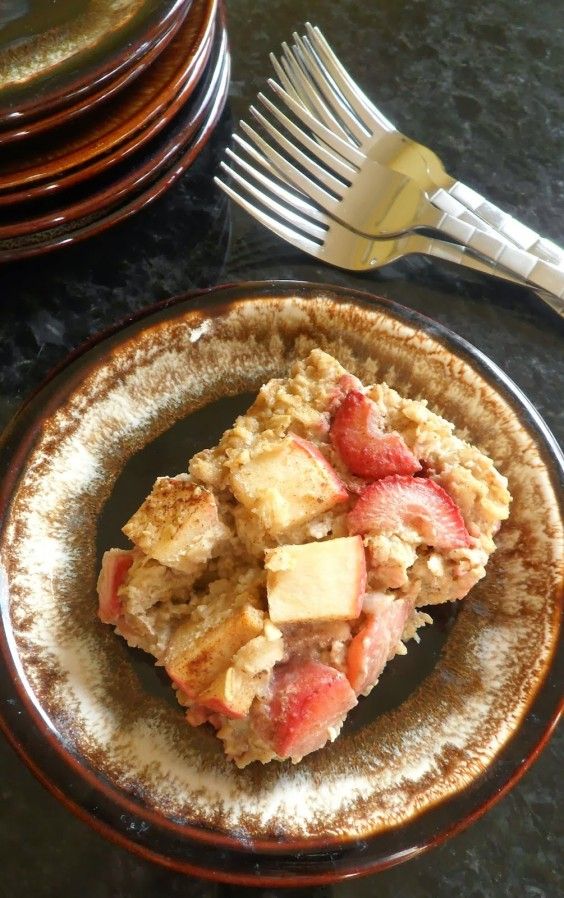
[(307, 699), (376, 643), (115, 565), (364, 448), (344, 385), (394, 502)]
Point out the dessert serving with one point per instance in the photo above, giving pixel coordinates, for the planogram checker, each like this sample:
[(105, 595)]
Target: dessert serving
[(276, 579)]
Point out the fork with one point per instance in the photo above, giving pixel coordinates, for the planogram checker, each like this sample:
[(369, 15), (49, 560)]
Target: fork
[(379, 202), (384, 180), (445, 201), (311, 230), (313, 75)]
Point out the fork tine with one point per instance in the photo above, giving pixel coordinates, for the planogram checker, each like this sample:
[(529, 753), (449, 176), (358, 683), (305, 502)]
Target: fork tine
[(318, 150), (284, 80), (342, 110), (327, 178), (343, 147), (339, 82), (323, 47), (293, 199), (335, 68), (297, 196), (284, 212), (286, 233), (352, 93), (303, 89), (290, 84), (254, 154), (290, 172), (265, 162), (308, 95)]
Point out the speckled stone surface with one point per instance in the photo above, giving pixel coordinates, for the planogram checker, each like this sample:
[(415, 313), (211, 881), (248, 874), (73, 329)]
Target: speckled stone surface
[(482, 84)]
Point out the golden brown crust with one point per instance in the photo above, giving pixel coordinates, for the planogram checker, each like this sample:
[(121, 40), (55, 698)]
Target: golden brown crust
[(178, 525)]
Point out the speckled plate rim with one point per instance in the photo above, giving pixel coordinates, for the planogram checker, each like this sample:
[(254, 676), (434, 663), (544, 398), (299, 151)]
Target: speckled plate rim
[(68, 89), (512, 760)]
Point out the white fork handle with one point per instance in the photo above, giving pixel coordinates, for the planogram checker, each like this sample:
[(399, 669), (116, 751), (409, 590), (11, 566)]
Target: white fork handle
[(526, 266), (507, 226), (450, 252), (460, 254)]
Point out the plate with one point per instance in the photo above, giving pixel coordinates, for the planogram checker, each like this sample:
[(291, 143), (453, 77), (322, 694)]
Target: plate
[(111, 191), (54, 53), (67, 155), (31, 128), (91, 225), (436, 743)]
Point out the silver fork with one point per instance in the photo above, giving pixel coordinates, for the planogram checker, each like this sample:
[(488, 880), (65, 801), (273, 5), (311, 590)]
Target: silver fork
[(308, 228), (374, 200), (384, 179), (328, 136), (313, 75)]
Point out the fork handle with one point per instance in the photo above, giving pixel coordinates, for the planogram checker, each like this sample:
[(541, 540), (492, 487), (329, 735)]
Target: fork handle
[(450, 252), (519, 234), (486, 244)]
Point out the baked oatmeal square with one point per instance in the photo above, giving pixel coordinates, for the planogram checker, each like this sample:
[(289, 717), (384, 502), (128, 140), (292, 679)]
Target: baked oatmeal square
[(276, 579)]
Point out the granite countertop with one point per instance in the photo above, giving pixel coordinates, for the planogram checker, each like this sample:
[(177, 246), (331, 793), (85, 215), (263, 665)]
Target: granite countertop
[(482, 84)]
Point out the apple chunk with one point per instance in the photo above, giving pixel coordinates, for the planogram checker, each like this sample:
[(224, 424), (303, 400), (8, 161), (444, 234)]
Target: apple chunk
[(316, 581), (233, 690), (178, 524), (287, 484), (115, 565), (308, 705), (194, 658), (230, 694)]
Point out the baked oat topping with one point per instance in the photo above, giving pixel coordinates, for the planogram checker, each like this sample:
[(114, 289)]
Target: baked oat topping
[(277, 578)]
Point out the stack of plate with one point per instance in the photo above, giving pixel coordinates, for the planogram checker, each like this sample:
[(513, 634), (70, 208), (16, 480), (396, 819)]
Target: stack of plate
[(102, 106)]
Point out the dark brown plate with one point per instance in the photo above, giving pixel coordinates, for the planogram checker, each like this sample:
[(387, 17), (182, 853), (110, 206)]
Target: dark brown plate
[(52, 54), (31, 128), (452, 725), (64, 156), (91, 225), (130, 178)]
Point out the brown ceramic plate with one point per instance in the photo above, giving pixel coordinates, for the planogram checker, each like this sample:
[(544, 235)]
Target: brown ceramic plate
[(450, 727), (90, 225), (51, 54), (129, 178), (26, 128), (67, 155)]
